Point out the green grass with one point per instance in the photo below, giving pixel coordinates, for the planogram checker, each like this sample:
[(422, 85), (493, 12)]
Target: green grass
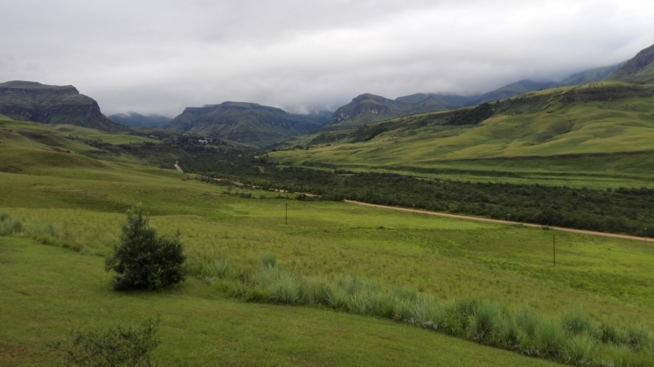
[(73, 212), (327, 239), (48, 291), (33, 148)]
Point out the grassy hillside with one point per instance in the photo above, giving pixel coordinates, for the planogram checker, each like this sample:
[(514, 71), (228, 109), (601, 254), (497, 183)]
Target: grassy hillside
[(32, 148), (137, 120), (639, 70), (247, 123), (594, 132), (590, 76), (368, 108), (511, 90)]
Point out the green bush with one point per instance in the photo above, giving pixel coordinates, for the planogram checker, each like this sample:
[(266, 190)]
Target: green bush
[(144, 260), (114, 347)]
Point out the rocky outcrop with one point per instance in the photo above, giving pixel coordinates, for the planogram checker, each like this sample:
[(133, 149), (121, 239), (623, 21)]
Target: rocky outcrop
[(49, 104)]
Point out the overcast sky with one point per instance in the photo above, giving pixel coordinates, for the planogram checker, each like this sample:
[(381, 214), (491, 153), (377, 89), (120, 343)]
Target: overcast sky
[(159, 56)]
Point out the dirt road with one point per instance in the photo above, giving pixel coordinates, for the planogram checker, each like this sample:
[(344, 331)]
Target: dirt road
[(498, 221)]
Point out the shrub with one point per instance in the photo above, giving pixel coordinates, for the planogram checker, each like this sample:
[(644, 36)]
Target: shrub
[(144, 260), (114, 347)]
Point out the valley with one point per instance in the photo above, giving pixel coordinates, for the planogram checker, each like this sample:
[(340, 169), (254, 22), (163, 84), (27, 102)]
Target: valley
[(555, 268)]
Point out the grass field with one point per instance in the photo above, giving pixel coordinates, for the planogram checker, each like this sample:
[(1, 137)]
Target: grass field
[(52, 276), (47, 291)]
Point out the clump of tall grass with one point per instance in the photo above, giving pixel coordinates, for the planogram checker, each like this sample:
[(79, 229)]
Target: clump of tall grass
[(574, 338), (268, 260), (210, 267), (8, 225)]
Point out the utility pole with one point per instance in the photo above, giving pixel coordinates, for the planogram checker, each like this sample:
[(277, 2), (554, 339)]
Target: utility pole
[(286, 204), (554, 249)]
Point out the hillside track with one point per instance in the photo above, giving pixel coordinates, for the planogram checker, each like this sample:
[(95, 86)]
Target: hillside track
[(506, 222)]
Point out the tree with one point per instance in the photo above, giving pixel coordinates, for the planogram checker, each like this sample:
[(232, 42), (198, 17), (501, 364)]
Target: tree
[(144, 260)]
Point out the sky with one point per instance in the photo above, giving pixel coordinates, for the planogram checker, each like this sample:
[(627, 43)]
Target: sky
[(160, 56)]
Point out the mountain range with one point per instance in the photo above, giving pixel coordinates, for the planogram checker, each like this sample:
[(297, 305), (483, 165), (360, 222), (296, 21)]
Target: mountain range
[(264, 126), (368, 108)]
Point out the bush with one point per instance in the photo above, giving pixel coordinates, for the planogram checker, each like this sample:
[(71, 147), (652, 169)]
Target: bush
[(115, 347), (144, 260)]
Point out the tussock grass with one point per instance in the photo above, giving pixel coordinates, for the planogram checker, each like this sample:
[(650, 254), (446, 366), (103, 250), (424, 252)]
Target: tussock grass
[(9, 225), (572, 338)]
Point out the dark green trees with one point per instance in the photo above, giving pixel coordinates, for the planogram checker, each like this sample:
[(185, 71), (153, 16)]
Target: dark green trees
[(144, 260)]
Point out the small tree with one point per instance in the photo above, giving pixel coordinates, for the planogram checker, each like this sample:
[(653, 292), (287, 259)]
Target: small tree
[(144, 260), (119, 346)]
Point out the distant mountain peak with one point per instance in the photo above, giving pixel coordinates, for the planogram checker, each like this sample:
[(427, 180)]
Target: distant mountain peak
[(243, 122)]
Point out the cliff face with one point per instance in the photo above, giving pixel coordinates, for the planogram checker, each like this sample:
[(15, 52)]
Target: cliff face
[(29, 101)]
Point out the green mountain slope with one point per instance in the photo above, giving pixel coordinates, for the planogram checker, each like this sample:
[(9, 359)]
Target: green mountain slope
[(368, 108), (511, 90), (447, 101), (247, 123), (639, 70), (36, 149), (595, 119), (30, 101), (590, 76), (365, 109), (137, 120)]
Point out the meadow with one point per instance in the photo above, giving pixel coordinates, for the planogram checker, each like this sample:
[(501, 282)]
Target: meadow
[(52, 275)]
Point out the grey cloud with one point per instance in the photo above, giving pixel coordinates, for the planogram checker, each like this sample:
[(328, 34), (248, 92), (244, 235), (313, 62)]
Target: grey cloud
[(160, 56)]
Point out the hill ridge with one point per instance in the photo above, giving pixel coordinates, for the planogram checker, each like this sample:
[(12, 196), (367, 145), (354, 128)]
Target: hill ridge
[(51, 104), (243, 122)]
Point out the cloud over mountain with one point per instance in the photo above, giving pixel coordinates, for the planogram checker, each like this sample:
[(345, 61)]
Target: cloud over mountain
[(159, 56)]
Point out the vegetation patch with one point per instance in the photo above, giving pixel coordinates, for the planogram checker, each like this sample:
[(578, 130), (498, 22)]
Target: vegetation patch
[(572, 338)]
